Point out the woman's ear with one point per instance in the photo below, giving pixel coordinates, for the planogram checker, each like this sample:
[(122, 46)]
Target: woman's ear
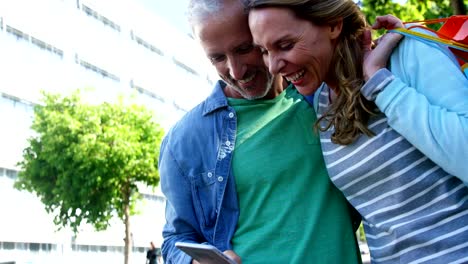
[(335, 29)]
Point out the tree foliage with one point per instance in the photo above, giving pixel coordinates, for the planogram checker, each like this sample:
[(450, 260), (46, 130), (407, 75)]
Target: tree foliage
[(85, 161), (410, 11)]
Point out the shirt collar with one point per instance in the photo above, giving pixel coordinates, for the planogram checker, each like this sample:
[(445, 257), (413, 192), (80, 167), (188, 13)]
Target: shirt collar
[(216, 100)]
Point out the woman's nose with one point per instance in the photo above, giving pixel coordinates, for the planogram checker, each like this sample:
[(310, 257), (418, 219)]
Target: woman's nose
[(274, 64)]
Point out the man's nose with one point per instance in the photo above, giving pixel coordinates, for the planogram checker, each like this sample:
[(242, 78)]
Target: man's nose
[(236, 69)]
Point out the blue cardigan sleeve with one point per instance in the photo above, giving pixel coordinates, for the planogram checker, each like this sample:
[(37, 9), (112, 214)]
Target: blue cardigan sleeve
[(427, 103)]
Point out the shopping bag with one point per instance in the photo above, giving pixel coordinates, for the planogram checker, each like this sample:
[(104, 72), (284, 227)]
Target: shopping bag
[(453, 34)]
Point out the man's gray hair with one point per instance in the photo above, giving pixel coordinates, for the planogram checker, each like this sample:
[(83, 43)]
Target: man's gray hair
[(201, 9)]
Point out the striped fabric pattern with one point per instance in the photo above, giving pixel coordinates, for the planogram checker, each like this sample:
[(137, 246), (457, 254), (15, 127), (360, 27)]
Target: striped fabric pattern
[(413, 211)]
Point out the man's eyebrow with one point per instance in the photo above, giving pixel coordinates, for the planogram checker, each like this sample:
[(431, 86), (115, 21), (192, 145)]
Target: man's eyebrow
[(213, 54)]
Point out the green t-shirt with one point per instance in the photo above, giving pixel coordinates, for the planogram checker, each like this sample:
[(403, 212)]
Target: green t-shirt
[(289, 210)]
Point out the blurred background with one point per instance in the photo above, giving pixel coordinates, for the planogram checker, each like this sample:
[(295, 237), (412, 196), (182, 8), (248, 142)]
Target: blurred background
[(109, 48)]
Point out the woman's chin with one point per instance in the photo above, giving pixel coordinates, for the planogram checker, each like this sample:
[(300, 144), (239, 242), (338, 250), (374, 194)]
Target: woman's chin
[(307, 89)]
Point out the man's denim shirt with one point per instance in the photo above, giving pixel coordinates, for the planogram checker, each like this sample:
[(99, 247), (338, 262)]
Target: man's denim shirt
[(196, 177)]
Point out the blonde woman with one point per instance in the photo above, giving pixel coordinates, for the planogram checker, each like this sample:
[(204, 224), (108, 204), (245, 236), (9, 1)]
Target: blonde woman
[(394, 165)]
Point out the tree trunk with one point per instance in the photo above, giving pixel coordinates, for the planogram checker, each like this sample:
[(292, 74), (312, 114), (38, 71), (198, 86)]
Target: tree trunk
[(128, 235), (458, 7)]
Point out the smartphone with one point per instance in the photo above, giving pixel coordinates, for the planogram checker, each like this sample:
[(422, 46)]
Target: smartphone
[(204, 253)]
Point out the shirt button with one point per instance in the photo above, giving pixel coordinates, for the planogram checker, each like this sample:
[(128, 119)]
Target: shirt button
[(228, 143), (231, 115), (220, 179), (210, 174)]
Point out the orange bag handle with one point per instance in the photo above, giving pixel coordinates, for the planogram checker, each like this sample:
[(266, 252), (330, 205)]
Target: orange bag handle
[(454, 27)]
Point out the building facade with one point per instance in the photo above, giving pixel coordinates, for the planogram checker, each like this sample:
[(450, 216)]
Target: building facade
[(109, 48)]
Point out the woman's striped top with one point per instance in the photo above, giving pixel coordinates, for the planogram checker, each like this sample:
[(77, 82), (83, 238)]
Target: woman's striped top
[(413, 211)]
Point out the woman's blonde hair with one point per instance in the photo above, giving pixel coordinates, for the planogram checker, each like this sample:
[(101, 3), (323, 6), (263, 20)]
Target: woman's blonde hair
[(350, 111)]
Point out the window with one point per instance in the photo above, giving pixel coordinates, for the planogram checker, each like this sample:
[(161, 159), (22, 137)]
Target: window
[(17, 33), (84, 248), (17, 100), (146, 92), (12, 174), (113, 249), (183, 66), (110, 23), (107, 22), (21, 246), (96, 69), (46, 46), (39, 43), (11, 97), (146, 44), (46, 247), (178, 107), (153, 197), (89, 11), (34, 246), (8, 245)]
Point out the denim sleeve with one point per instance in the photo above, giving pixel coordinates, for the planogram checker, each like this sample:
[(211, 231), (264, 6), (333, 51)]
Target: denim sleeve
[(180, 224), (427, 103)]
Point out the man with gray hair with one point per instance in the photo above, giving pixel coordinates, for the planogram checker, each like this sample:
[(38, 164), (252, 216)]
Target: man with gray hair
[(243, 170)]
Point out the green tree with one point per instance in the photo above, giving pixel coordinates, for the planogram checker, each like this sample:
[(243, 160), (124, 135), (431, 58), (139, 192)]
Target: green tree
[(411, 10), (85, 161)]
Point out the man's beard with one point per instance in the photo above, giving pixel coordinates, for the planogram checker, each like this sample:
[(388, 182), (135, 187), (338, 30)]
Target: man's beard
[(245, 92)]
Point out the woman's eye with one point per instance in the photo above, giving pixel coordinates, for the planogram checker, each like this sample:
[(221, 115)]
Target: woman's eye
[(286, 46)]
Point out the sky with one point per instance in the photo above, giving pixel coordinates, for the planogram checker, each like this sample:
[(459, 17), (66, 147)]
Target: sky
[(172, 11)]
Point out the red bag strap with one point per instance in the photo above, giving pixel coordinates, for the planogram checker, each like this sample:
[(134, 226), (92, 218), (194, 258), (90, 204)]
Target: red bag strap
[(453, 28)]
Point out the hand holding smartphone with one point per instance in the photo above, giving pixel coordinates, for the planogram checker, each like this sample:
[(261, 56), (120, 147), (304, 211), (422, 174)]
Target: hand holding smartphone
[(205, 254)]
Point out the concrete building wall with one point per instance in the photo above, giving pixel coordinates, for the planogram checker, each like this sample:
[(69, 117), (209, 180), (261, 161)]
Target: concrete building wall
[(111, 48)]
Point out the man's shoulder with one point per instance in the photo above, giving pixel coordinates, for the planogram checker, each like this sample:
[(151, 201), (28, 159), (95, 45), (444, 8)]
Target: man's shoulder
[(204, 109), (195, 119), (193, 116)]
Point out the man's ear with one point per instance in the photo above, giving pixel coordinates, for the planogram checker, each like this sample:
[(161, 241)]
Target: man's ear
[(335, 29)]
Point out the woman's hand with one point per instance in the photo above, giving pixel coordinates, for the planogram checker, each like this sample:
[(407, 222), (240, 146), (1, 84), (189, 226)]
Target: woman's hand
[(387, 22), (376, 58)]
